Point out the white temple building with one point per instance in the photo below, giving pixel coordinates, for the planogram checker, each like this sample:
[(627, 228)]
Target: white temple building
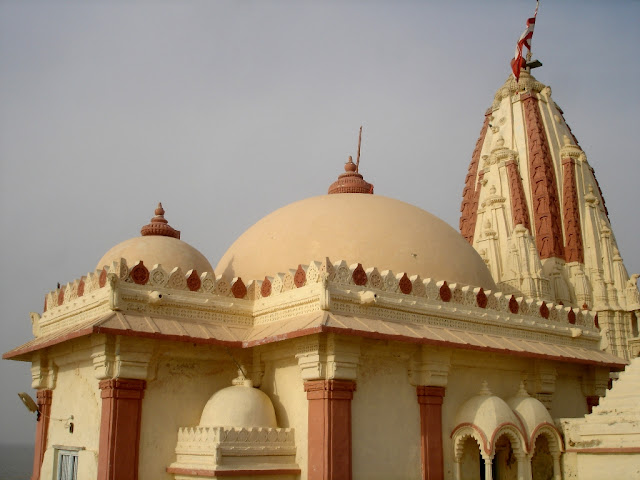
[(351, 335)]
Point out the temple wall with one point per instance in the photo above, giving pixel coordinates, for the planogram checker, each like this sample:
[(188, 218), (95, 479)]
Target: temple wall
[(568, 399), (385, 418), (76, 393), (385, 410), (175, 398), (284, 385)]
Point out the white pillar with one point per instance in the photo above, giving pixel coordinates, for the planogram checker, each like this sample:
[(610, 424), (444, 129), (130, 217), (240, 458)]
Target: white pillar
[(488, 473), (557, 471), (456, 469), (522, 467)]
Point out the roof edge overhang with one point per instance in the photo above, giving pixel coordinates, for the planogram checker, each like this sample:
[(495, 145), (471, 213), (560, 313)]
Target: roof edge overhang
[(23, 353)]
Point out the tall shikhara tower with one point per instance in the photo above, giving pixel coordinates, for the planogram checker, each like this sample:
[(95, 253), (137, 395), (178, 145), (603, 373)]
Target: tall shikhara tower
[(533, 209)]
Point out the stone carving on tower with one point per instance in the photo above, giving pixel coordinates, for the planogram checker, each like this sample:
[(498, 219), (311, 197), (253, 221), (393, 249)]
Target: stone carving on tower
[(533, 209)]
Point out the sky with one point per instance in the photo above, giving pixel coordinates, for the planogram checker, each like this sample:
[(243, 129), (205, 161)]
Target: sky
[(226, 111)]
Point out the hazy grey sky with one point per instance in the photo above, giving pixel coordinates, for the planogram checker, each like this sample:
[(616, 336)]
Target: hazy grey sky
[(225, 111)]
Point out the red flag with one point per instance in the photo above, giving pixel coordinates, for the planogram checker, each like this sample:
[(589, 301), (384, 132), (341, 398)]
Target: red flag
[(524, 41)]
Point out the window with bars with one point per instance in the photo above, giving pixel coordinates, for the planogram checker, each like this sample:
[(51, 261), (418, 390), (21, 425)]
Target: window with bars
[(67, 465)]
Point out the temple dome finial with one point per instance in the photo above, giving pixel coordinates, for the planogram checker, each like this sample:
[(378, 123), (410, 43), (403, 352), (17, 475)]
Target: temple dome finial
[(351, 181), (159, 225)]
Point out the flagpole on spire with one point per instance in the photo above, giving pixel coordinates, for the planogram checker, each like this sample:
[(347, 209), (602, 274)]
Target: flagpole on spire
[(524, 41)]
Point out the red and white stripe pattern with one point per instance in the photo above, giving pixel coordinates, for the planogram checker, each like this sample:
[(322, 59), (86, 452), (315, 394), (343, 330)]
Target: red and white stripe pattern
[(523, 41)]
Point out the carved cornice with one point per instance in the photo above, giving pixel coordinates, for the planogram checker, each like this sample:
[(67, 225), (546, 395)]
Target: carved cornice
[(354, 290)]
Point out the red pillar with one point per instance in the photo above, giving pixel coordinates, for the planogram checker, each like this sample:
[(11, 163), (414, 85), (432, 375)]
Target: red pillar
[(329, 428), (430, 400), (120, 428), (43, 399)]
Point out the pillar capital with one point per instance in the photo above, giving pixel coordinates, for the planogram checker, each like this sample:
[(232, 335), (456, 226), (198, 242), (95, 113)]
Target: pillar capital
[(430, 366), (338, 389), (44, 397), (328, 357), (44, 372), (122, 388), (595, 382), (121, 357), (428, 395), (544, 382)]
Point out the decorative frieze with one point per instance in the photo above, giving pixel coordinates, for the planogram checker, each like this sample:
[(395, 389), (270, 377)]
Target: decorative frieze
[(356, 289), (214, 447)]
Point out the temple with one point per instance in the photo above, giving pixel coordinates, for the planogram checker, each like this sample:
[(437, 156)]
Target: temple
[(351, 335)]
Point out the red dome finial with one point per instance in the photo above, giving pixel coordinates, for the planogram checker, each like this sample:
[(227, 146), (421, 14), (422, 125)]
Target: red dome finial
[(351, 181), (350, 166), (159, 225)]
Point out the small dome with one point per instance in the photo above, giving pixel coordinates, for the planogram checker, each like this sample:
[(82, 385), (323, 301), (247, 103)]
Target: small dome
[(159, 244), (530, 410), (486, 411), (239, 406), (373, 230)]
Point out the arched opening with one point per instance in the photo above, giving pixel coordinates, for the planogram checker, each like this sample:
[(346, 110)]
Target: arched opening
[(542, 460), (505, 464), (471, 463)]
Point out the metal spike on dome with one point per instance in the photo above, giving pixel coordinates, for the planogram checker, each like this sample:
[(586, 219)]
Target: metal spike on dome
[(359, 143), (159, 225)]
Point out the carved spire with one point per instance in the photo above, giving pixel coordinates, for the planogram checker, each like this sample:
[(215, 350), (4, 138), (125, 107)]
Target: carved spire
[(159, 225), (555, 245), (351, 181)]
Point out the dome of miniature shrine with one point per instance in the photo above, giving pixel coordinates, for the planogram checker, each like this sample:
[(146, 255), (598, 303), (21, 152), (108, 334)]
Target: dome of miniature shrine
[(240, 405), (487, 412), (530, 410), (158, 244)]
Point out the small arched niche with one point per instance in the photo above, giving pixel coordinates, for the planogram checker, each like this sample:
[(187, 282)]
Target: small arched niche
[(542, 460), (505, 463), (470, 461)]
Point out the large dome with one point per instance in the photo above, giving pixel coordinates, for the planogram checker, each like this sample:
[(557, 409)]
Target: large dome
[(372, 230), (159, 244)]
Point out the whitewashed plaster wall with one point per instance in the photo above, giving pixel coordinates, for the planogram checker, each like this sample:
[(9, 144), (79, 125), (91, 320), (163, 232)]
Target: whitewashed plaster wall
[(385, 416), (76, 393), (185, 378), (285, 387)]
